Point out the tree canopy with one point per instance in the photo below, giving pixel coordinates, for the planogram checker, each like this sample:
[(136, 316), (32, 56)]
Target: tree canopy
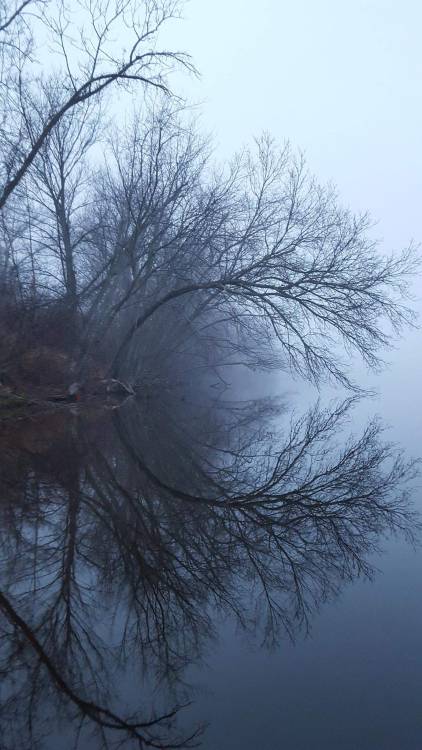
[(135, 234)]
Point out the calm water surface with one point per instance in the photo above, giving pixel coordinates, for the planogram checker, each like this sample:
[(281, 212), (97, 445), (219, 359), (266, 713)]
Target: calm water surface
[(219, 553)]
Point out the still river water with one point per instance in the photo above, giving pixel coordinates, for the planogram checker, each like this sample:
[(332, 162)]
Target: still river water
[(211, 571)]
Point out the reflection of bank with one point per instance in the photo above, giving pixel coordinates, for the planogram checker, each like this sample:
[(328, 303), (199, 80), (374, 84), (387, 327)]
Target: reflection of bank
[(124, 531)]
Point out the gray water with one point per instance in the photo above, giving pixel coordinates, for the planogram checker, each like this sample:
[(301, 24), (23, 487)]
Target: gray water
[(355, 681), (146, 552)]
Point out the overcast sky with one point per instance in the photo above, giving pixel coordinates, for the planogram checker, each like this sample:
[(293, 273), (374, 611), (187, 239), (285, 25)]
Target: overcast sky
[(342, 81)]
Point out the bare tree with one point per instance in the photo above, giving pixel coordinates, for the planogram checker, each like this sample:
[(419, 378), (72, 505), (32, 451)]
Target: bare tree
[(82, 37), (274, 249), (56, 191), (255, 256)]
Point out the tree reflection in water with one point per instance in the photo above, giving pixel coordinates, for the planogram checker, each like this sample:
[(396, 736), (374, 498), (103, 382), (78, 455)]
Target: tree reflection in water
[(124, 531)]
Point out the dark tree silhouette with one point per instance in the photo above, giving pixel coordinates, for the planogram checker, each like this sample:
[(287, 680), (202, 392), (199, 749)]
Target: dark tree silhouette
[(278, 250), (83, 37)]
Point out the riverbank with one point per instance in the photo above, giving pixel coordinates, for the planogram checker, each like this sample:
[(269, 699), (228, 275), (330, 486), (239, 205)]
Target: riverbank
[(17, 406)]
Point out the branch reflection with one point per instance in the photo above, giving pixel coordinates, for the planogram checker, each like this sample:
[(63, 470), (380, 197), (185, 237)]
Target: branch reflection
[(124, 532)]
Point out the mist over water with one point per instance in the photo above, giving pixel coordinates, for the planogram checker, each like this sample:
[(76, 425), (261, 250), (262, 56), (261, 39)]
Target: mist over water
[(212, 547)]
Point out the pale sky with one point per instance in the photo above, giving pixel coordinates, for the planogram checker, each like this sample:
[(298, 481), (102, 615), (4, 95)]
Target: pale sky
[(340, 80), (343, 82)]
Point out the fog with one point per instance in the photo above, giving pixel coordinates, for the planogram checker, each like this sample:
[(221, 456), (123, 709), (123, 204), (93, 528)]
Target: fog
[(176, 534)]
